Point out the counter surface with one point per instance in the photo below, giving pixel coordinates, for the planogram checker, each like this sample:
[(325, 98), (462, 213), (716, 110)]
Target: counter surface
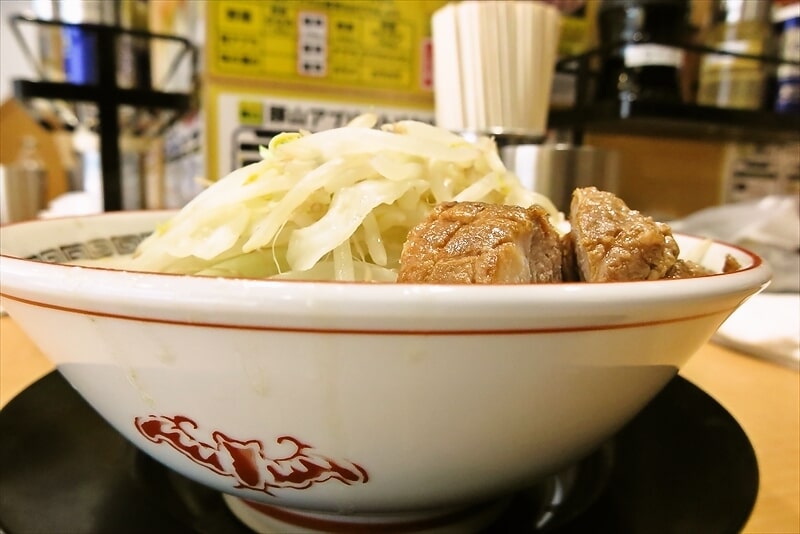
[(763, 397)]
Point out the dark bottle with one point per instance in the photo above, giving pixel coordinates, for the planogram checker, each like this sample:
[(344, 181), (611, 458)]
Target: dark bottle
[(643, 59)]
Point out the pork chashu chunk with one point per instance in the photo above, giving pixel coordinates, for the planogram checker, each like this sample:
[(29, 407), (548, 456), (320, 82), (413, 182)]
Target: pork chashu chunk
[(478, 243), (614, 243)]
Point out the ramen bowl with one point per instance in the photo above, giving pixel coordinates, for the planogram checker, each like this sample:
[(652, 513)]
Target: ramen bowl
[(329, 405)]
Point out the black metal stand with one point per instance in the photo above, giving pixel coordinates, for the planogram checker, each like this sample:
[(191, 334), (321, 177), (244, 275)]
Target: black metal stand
[(106, 94), (672, 119)]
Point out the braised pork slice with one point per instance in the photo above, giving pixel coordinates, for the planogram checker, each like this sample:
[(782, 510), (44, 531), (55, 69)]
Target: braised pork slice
[(731, 264), (569, 265), (615, 243), (687, 269), (690, 269), (478, 243)]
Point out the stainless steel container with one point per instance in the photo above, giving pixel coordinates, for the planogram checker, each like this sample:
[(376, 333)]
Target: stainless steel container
[(555, 170)]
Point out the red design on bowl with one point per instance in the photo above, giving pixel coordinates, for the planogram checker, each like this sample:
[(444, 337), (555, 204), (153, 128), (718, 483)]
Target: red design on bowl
[(247, 461)]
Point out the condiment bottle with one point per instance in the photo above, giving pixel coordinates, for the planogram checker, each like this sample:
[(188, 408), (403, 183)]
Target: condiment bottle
[(26, 183), (743, 27), (646, 57), (786, 20)]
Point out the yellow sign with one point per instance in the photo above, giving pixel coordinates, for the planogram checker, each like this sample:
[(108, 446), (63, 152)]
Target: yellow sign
[(323, 44)]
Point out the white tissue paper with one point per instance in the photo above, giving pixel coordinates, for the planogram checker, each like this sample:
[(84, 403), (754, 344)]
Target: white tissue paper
[(768, 324), (73, 203)]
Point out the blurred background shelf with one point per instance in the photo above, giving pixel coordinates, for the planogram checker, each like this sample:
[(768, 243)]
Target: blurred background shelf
[(661, 119), (186, 138), (29, 89), (675, 116), (123, 100)]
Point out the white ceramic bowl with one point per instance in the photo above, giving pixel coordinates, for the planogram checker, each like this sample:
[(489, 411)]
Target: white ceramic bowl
[(364, 402)]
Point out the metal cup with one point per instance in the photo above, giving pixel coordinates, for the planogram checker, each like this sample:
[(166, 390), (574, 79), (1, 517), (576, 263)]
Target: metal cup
[(555, 170)]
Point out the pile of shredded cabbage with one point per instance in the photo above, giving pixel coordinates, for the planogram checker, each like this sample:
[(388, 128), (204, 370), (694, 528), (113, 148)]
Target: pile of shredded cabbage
[(332, 205)]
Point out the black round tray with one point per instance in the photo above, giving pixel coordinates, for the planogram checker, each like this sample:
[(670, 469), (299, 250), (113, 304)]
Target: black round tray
[(682, 465)]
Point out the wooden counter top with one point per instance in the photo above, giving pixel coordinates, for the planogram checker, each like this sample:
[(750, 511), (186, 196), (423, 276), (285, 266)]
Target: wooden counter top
[(764, 397)]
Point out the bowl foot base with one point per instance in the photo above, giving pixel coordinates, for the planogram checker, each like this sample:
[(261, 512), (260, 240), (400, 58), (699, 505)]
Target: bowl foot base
[(268, 519)]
